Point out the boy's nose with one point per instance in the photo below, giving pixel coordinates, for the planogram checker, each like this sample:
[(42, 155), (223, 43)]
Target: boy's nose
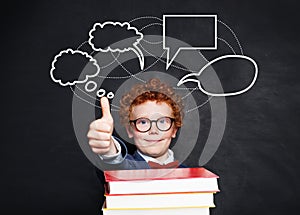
[(153, 129)]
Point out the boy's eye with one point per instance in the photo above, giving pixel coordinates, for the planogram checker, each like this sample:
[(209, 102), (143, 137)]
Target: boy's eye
[(162, 121), (142, 121)]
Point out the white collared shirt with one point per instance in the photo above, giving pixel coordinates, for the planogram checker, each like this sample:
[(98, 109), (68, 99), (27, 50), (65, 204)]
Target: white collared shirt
[(169, 159)]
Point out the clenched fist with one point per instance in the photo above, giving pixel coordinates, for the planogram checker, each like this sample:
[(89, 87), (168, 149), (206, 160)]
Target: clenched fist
[(100, 131)]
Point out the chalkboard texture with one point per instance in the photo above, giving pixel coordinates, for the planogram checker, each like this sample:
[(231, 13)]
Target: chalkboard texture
[(43, 169)]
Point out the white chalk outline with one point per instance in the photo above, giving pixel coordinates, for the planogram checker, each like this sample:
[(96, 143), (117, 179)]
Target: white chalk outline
[(67, 51), (110, 95), (168, 61), (187, 78), (135, 48), (234, 35), (93, 88), (103, 91)]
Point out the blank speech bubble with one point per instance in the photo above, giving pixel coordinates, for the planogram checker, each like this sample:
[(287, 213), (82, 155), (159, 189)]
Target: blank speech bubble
[(203, 36), (192, 77), (61, 63), (116, 29)]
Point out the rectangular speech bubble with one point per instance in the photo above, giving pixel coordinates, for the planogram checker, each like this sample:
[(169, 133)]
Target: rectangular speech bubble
[(203, 36)]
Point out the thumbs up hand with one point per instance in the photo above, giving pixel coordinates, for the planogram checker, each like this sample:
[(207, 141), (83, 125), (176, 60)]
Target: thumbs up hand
[(100, 131)]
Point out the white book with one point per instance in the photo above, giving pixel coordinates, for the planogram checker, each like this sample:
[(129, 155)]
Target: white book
[(164, 200), (159, 211)]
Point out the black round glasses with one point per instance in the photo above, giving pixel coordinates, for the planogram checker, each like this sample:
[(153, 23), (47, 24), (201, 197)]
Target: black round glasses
[(145, 124)]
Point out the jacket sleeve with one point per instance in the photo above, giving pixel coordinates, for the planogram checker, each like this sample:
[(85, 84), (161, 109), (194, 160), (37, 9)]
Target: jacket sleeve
[(123, 161)]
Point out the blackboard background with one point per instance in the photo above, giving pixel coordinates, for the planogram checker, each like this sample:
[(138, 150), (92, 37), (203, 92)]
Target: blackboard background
[(43, 170)]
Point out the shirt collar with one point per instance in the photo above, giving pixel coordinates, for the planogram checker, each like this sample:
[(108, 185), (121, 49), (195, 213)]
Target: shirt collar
[(169, 159)]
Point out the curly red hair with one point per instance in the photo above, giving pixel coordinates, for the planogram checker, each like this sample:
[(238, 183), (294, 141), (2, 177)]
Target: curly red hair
[(153, 90)]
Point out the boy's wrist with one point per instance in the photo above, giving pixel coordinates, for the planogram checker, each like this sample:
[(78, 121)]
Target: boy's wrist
[(115, 152)]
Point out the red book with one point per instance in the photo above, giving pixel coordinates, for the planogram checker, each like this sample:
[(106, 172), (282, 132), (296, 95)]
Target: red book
[(161, 181)]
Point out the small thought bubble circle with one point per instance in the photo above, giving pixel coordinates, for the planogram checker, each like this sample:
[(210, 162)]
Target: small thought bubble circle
[(87, 86), (101, 93), (110, 95)]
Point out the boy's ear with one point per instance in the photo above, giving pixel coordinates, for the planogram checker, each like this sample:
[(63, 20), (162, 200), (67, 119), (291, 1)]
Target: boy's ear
[(129, 131), (174, 132)]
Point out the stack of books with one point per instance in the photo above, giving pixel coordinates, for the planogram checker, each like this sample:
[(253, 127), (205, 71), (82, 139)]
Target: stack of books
[(160, 191)]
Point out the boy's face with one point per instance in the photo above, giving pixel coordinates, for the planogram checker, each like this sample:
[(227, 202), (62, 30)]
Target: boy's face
[(154, 143)]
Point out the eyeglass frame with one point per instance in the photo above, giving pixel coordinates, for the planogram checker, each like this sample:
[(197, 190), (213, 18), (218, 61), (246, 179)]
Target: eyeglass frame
[(151, 122)]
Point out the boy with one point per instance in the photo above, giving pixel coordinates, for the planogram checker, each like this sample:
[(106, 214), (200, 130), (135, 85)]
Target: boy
[(152, 115)]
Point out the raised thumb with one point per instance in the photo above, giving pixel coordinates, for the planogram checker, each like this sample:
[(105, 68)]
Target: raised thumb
[(105, 108)]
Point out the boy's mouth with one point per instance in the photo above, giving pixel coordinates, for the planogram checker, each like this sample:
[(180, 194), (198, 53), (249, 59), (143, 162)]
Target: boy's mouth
[(153, 141)]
